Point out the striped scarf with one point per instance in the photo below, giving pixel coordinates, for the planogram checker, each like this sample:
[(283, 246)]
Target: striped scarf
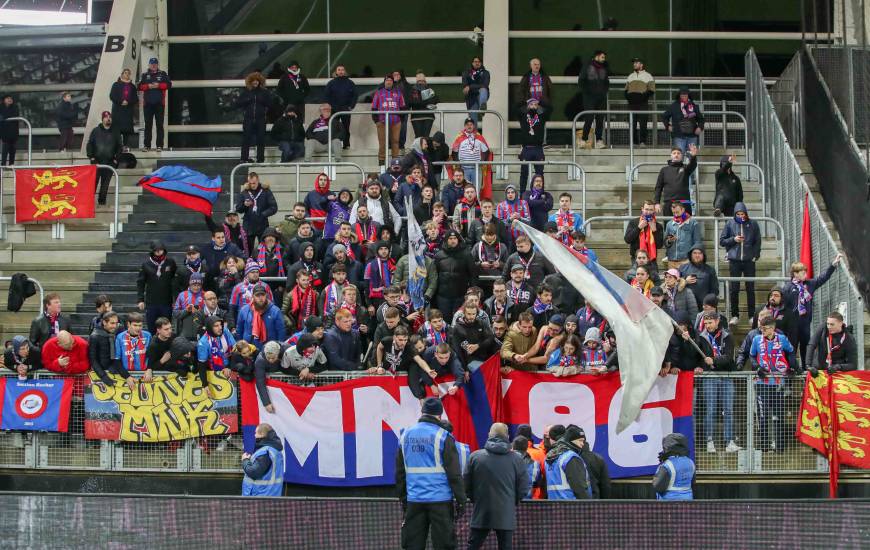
[(331, 296), (540, 307), (536, 87), (506, 209), (277, 255), (243, 237), (594, 357), (434, 337), (218, 346), (565, 219), (134, 351), (805, 297), (566, 360)]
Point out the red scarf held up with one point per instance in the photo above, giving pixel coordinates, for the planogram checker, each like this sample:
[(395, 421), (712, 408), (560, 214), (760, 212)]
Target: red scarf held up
[(648, 241)]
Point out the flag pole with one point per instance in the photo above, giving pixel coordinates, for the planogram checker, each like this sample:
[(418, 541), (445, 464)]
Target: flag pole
[(677, 327)]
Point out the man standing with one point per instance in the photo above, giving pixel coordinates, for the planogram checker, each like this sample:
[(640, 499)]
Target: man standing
[(567, 472), (676, 473), (154, 285), (639, 87), (594, 83), (645, 233), (341, 95), (293, 88), (496, 481), (533, 119), (470, 147), (256, 203), (103, 147), (831, 348), (429, 481), (683, 119), (741, 239), (130, 347), (50, 323), (153, 85), (261, 321), (8, 130), (264, 470), (672, 184)]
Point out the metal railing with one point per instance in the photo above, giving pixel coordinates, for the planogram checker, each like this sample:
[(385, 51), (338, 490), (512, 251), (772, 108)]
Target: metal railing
[(440, 112), (780, 241), (58, 227), (788, 192), (297, 165), (38, 285), (632, 173), (724, 280), (29, 135), (71, 451), (571, 175), (631, 114)]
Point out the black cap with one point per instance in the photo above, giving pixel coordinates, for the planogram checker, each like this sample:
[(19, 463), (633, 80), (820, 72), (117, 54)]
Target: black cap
[(306, 341), (192, 249), (259, 289), (656, 291), (636, 60), (573, 432), (524, 430)]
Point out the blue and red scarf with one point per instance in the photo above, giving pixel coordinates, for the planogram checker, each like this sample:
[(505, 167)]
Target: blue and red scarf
[(277, 255), (218, 347)]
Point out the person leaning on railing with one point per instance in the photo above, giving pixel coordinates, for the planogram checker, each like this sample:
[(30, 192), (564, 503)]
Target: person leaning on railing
[(832, 347)]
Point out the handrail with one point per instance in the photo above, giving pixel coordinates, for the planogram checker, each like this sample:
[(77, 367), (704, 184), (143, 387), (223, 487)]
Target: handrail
[(479, 163), (780, 240), (440, 112), (724, 280), (114, 227), (631, 114), (34, 281), (29, 135), (631, 176), (297, 165)]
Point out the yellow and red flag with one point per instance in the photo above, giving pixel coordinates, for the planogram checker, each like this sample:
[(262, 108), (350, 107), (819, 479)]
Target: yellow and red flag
[(50, 194), (835, 420)]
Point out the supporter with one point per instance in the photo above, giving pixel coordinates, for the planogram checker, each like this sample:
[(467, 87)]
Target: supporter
[(467, 211), (305, 359), (339, 257), (710, 303), (341, 94), (455, 273), (392, 298), (700, 276), (435, 330), (578, 245), (64, 354), (213, 351), (102, 304), (234, 232), (641, 259), (729, 190), (125, 99), (186, 318), (231, 274), (181, 357), (438, 152), (261, 320), (330, 297), (157, 354), (470, 149), (675, 476), (352, 302), (594, 82), (588, 317), (267, 362), (682, 235), (542, 308), (642, 281), (489, 255), (411, 187), (392, 177), (423, 211), (270, 259), (496, 481), (193, 264), (475, 88), (317, 135), (378, 208), (101, 351), (473, 296), (50, 322), (255, 102), (535, 267), (301, 302), (341, 344), (499, 329), (318, 199), (672, 184), (798, 297), (153, 84), (130, 346), (379, 273), (430, 281), (388, 98), (645, 233), (746, 345), (567, 473), (8, 130), (472, 340), (103, 147), (264, 470), (394, 354), (684, 120), (392, 319), (540, 202), (681, 355), (500, 303), (519, 289), (593, 354), (293, 88), (422, 98), (831, 347), (289, 133), (66, 115), (521, 445), (215, 252), (242, 360), (538, 455), (22, 357), (784, 317), (640, 86), (256, 203), (400, 82), (511, 209), (428, 497), (455, 190), (304, 237), (487, 217), (566, 359), (741, 238), (571, 325), (771, 354), (679, 298), (435, 232), (533, 121), (718, 347), (290, 226), (313, 326)]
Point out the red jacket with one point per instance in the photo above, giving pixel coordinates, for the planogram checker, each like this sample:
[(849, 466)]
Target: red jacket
[(78, 356)]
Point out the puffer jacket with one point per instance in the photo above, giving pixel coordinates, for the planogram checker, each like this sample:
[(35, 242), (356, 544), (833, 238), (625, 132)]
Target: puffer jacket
[(455, 271)]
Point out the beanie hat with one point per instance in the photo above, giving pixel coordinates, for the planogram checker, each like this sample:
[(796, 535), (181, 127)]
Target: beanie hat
[(338, 248), (251, 265), (592, 334), (556, 431), (432, 406), (313, 323), (573, 432), (272, 348), (524, 430)]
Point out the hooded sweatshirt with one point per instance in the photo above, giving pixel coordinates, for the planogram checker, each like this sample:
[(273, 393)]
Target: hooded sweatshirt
[(674, 444), (317, 201), (575, 472), (337, 211), (750, 248), (729, 190), (707, 282)]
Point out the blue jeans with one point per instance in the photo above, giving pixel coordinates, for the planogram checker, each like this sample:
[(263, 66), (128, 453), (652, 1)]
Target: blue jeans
[(471, 174), (475, 104), (718, 396), (291, 150), (683, 143)]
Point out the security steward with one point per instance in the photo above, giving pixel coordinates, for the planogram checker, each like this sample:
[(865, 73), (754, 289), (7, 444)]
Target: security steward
[(675, 476), (429, 481), (264, 470), (567, 474)]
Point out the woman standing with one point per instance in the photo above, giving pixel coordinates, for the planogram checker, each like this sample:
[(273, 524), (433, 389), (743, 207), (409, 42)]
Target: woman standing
[(124, 100)]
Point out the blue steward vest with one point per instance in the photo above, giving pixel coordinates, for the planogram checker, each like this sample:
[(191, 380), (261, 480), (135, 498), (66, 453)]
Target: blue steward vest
[(682, 470), (464, 452), (557, 481), (534, 471), (272, 483), (423, 449)]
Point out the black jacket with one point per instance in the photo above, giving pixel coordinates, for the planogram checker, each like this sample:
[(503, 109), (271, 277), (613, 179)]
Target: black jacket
[(244, 366), (599, 475), (20, 289), (594, 79), (257, 222), (293, 93), (538, 267), (724, 361), (476, 332), (66, 114), (9, 129), (154, 290), (101, 353), (475, 82), (729, 191), (632, 236), (531, 130), (449, 461), (679, 125), (255, 104), (154, 96), (673, 181), (496, 481), (104, 145), (40, 331), (342, 349), (32, 362), (288, 128), (844, 350), (340, 93), (155, 351), (456, 272), (123, 115)]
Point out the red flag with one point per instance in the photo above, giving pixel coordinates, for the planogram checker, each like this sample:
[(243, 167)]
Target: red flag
[(484, 182), (55, 194), (807, 239)]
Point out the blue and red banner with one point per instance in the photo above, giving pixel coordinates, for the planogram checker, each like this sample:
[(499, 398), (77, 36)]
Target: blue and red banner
[(35, 405), (185, 187)]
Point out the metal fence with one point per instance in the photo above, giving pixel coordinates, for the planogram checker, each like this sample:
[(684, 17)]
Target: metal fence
[(846, 69), (726, 406), (29, 135), (787, 193)]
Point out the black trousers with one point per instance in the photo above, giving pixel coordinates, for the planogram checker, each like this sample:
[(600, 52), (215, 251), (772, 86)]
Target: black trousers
[(530, 152), (7, 152), (153, 115), (419, 517), (478, 537), (254, 132), (345, 121), (104, 177), (638, 127), (422, 127), (744, 268), (594, 103), (66, 139)]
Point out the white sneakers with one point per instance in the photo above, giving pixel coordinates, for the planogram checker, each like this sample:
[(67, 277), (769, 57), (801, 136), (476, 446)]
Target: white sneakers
[(732, 447), (734, 321), (600, 144), (711, 447)]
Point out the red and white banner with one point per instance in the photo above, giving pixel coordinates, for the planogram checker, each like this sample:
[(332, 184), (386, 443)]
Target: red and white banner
[(51, 194)]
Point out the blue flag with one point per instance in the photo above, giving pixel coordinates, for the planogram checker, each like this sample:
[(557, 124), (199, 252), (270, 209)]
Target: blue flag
[(416, 259), (185, 187), (35, 405)]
